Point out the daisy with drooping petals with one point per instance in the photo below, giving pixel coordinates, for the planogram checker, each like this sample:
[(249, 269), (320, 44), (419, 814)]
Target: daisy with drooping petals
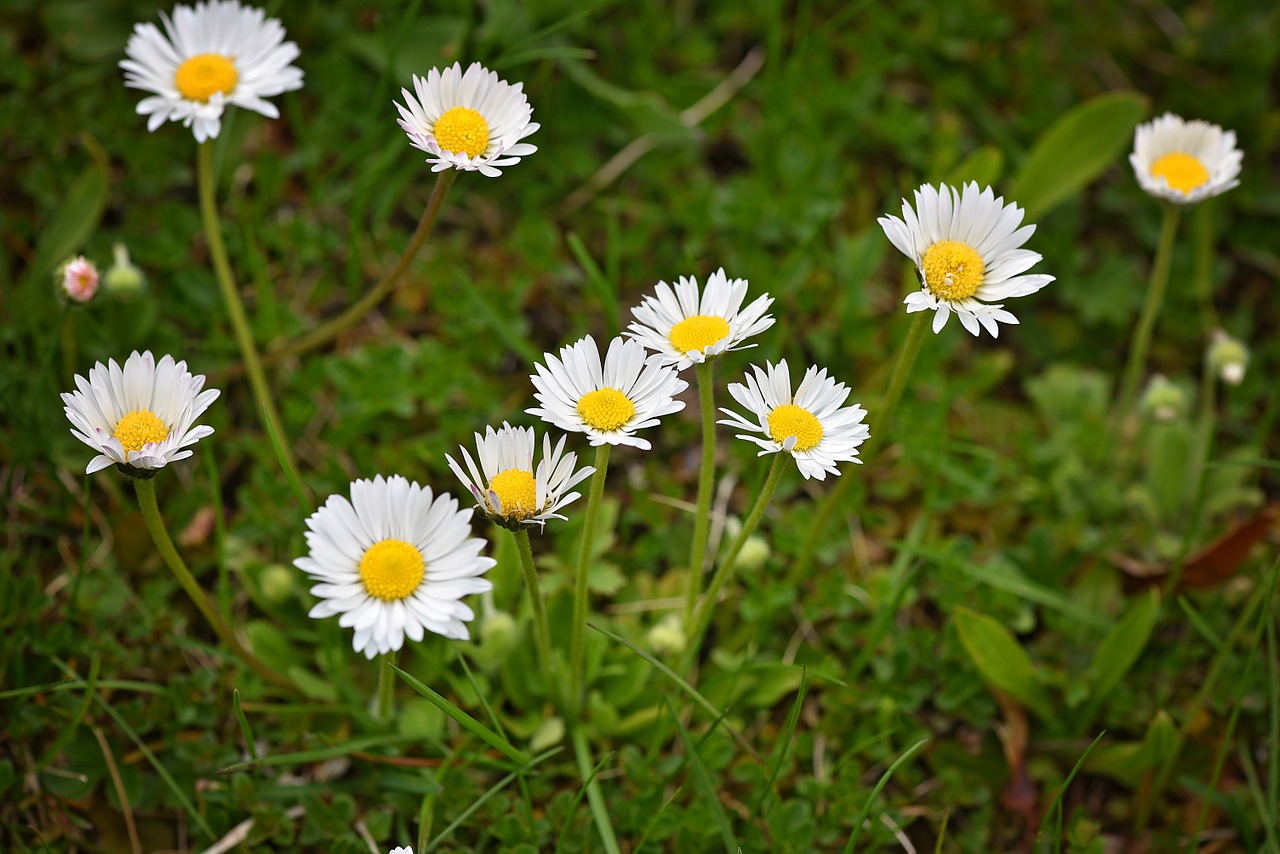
[(507, 487), (813, 425), (140, 417), (684, 329), (1184, 162), (473, 121), (965, 246), (607, 403), (392, 562), (217, 54)]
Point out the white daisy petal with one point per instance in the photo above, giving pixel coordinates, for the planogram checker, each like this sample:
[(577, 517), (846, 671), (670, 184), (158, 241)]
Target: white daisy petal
[(385, 552), (966, 245), (1184, 162), (813, 426), (209, 57), (139, 416)]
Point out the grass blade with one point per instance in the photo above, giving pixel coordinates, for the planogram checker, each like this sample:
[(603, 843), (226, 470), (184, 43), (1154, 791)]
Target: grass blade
[(577, 799), (465, 720), (703, 776), (304, 502), (604, 290), (784, 743), (318, 754), (69, 731), (875, 793), (250, 746), (1062, 790), (480, 801)]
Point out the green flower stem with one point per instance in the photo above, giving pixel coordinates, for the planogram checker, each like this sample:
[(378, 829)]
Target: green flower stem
[(902, 367), (386, 686), (706, 479), (331, 329), (235, 308), (595, 797), (542, 633), (1141, 341), (146, 490), (579, 630), (702, 617)]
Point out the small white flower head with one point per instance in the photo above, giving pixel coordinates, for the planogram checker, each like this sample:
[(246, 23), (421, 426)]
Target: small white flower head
[(667, 638), (1163, 400), (140, 417), (405, 850), (610, 402), (218, 54), (78, 279), (966, 248), (394, 561), (473, 121), (123, 279), (1184, 162), (1228, 358), (813, 425), (507, 487), (685, 329)]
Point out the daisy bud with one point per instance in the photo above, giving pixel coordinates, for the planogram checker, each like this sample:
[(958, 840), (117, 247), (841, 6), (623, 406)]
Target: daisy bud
[(755, 551), (548, 735), (668, 637), (1228, 358), (123, 279), (278, 583), (498, 631), (1163, 400), (78, 278)]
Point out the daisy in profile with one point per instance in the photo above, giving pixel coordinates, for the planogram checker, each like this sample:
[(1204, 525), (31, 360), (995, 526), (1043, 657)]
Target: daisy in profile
[(966, 248), (140, 417), (473, 121), (684, 329), (813, 425), (218, 54), (610, 402), (507, 487), (394, 561), (1184, 162)]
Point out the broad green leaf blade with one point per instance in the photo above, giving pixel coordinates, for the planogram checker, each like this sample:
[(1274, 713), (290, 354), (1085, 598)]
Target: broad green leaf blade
[(467, 722), (1001, 660), (1123, 645), (1075, 150), (75, 219), (984, 166)]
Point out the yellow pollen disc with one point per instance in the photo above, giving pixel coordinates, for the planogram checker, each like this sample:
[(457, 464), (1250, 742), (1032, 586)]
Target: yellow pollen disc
[(462, 130), (790, 420), (698, 332), (517, 492), (606, 409), (140, 427), (391, 570), (1183, 171), (204, 75), (953, 270)]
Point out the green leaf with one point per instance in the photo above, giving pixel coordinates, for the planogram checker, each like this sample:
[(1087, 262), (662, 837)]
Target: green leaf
[(1001, 660), (1128, 761), (75, 219), (984, 166), (465, 720), (1076, 149), (1123, 645)]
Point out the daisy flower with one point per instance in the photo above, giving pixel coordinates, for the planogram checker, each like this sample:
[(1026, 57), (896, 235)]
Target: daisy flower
[(209, 57), (405, 850), (140, 417), (813, 425), (507, 487), (471, 121), (1184, 162), (966, 248), (684, 329), (608, 404), (79, 279), (392, 562)]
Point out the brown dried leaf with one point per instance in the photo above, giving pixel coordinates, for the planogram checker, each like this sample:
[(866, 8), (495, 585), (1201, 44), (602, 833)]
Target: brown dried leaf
[(1215, 563)]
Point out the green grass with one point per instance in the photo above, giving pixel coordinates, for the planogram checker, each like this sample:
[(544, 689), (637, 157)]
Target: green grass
[(993, 493)]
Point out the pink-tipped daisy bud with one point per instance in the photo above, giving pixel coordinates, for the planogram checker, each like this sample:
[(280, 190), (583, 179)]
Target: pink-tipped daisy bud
[(1228, 358), (1163, 400), (78, 278), (123, 280)]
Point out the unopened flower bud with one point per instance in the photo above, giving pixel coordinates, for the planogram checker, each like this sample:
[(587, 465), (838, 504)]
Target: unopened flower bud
[(667, 637), (278, 582), (78, 278), (123, 280), (1163, 400), (498, 630), (1228, 358), (755, 551)]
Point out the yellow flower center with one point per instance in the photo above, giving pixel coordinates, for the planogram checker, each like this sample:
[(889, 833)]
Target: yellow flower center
[(606, 409), (790, 420), (953, 270), (140, 427), (698, 332), (204, 75), (391, 570), (517, 492), (462, 130), (1183, 171)]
